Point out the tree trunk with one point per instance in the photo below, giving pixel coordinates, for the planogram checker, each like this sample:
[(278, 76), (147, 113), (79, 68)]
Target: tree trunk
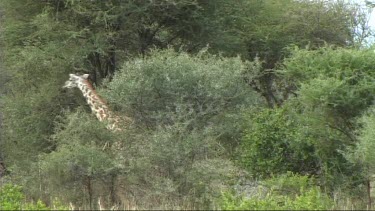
[(89, 190), (369, 193), (112, 190), (111, 63)]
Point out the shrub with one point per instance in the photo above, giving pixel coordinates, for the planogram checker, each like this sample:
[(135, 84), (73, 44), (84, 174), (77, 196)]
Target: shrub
[(166, 168), (82, 160), (339, 79), (12, 198), (176, 165), (271, 144), (287, 192), (196, 88)]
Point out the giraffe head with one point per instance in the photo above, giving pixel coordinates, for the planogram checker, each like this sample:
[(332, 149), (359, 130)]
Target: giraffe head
[(75, 80)]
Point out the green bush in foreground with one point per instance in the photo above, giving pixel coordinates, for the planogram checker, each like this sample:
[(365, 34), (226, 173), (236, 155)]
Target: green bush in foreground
[(287, 192), (12, 198), (272, 144)]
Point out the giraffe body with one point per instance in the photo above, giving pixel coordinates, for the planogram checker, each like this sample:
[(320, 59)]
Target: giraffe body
[(98, 106)]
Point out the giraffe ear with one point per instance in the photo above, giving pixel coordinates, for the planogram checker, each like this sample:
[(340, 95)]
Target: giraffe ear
[(85, 76)]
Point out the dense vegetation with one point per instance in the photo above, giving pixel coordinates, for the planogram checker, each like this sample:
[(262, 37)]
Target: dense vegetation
[(247, 104)]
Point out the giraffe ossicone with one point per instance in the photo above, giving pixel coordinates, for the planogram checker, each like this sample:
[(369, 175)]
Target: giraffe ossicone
[(98, 106)]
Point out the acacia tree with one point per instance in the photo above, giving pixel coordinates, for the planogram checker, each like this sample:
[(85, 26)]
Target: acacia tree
[(111, 31), (361, 153), (312, 24), (332, 91), (48, 39)]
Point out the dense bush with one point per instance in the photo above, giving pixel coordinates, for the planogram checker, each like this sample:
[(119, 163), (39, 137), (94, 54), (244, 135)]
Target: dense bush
[(83, 161), (176, 164), (310, 131), (194, 87), (331, 89), (184, 107), (200, 91), (190, 104), (334, 79), (272, 144), (170, 167), (362, 152), (193, 111), (12, 198), (287, 192)]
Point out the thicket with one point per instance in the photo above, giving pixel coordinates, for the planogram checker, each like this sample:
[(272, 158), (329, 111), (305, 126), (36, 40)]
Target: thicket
[(286, 192), (331, 89), (12, 198), (175, 150), (316, 130), (223, 94)]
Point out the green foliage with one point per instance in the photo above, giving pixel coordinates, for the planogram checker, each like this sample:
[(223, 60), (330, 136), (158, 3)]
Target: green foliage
[(335, 79), (29, 122), (350, 65), (312, 199), (272, 144), (278, 24), (289, 183), (198, 87), (362, 151), (176, 163), (274, 26), (36, 66), (137, 26), (332, 87), (172, 164), (188, 106), (12, 198), (38, 206), (81, 156), (288, 192)]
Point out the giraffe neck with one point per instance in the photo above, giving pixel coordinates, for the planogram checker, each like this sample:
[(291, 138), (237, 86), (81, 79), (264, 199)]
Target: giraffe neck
[(97, 104)]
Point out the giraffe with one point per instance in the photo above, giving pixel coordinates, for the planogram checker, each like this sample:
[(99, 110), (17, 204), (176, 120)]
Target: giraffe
[(98, 106), (102, 112)]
